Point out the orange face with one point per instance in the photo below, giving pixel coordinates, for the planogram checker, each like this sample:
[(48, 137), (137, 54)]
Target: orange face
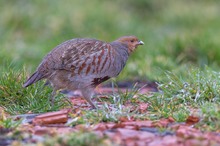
[(132, 41)]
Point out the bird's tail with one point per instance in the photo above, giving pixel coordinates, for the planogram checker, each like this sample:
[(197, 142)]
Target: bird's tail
[(34, 78)]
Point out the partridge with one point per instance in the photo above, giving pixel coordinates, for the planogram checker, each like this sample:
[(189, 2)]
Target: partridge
[(83, 63)]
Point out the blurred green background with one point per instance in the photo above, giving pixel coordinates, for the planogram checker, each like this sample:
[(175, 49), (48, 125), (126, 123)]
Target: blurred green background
[(178, 35)]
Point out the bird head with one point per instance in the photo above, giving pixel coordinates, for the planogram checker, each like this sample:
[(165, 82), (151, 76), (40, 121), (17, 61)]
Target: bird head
[(131, 41)]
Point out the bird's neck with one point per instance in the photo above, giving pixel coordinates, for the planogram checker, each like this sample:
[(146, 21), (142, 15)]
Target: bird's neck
[(120, 47), (122, 51)]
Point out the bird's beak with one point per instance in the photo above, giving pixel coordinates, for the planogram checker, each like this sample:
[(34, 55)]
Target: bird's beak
[(141, 43)]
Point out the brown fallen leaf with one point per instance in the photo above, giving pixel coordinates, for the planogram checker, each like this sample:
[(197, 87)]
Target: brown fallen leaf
[(100, 127), (192, 120), (135, 127), (41, 130), (126, 119), (171, 119), (134, 134), (79, 101), (132, 142), (165, 141), (170, 140), (187, 132), (134, 137), (139, 123), (130, 137), (198, 142), (51, 118), (212, 136), (163, 122), (118, 125)]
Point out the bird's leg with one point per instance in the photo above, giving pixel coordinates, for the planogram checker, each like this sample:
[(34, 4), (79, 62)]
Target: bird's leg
[(87, 94), (52, 97)]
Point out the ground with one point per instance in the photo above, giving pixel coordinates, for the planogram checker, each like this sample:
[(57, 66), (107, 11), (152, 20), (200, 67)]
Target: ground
[(116, 122)]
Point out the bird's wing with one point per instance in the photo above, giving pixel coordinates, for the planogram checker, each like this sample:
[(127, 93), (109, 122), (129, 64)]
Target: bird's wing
[(80, 56), (92, 58)]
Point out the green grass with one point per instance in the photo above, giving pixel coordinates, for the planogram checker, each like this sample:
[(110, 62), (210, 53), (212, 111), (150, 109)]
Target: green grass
[(9, 123), (17, 100), (111, 110), (179, 98), (199, 90), (198, 95), (209, 117)]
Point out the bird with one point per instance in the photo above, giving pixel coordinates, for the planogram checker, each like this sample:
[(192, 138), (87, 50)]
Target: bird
[(84, 63)]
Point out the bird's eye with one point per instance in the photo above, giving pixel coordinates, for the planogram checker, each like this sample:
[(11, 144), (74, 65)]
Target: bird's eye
[(132, 41)]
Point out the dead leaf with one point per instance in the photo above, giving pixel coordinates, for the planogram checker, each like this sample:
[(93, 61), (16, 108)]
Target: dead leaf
[(118, 125), (212, 136), (171, 119), (51, 118), (38, 130), (165, 141), (189, 132), (79, 101), (132, 142), (126, 119), (198, 142), (135, 127), (139, 123), (170, 140), (192, 120), (100, 127), (162, 123), (134, 134)]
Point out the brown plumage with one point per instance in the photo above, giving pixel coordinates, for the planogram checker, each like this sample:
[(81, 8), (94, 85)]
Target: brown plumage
[(83, 64)]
